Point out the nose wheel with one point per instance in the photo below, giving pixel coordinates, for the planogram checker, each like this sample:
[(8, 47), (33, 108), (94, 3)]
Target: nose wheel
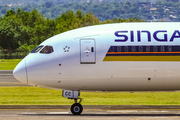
[(76, 109)]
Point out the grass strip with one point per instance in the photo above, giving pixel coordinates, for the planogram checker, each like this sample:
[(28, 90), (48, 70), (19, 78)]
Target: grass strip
[(8, 64), (42, 96)]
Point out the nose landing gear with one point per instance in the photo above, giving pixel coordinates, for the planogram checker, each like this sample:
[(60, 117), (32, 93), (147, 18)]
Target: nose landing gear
[(76, 108)]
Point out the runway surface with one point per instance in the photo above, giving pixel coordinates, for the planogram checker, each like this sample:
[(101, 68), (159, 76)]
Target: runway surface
[(46, 112), (7, 79), (88, 114)]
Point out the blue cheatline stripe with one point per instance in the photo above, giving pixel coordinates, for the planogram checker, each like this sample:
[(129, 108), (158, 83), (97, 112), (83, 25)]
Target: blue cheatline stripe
[(143, 53), (174, 48), (146, 54)]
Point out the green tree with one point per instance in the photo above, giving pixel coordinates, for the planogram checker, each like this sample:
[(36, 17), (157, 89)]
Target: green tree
[(67, 21), (24, 30), (10, 32)]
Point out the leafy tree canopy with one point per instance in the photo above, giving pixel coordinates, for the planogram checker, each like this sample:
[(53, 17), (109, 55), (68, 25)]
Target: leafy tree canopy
[(24, 30)]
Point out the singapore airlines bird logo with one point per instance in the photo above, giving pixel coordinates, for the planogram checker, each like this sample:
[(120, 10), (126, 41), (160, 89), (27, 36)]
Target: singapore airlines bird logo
[(66, 49)]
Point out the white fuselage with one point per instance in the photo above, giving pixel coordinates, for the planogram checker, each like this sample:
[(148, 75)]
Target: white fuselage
[(80, 62)]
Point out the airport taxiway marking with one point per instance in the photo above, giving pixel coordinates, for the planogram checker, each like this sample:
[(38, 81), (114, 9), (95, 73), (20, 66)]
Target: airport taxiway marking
[(58, 112)]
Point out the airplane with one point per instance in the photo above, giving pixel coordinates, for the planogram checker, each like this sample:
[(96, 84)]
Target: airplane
[(111, 57)]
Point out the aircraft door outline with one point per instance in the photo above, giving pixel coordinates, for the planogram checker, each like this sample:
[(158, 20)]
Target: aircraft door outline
[(87, 51)]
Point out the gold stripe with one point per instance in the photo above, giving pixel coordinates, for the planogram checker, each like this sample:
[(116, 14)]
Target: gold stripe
[(142, 58)]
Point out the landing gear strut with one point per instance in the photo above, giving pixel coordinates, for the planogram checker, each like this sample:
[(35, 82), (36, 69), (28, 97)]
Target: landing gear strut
[(76, 108)]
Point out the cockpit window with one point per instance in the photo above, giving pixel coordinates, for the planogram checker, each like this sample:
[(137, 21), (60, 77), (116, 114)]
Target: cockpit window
[(47, 50), (37, 49)]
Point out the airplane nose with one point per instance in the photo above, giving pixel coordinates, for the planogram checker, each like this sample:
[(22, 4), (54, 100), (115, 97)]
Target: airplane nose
[(20, 72)]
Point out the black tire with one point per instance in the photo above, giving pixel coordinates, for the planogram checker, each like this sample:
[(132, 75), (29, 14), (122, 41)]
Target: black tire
[(76, 109)]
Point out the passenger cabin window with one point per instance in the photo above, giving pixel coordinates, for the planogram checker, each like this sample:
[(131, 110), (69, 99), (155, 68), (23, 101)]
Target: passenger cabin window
[(133, 49), (119, 48), (155, 48), (169, 48), (111, 49), (147, 48), (37, 49), (140, 49), (126, 48), (162, 49), (47, 50)]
